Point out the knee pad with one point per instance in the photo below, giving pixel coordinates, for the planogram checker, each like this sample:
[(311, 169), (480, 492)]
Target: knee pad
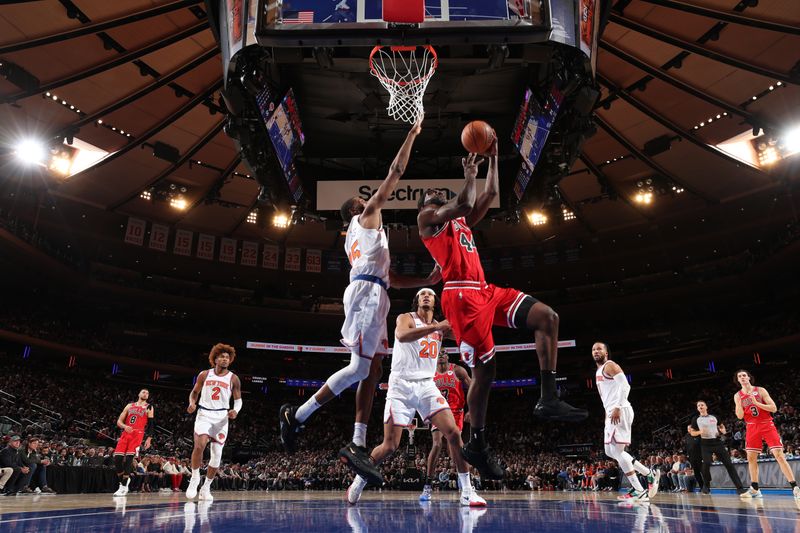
[(216, 454), (357, 370)]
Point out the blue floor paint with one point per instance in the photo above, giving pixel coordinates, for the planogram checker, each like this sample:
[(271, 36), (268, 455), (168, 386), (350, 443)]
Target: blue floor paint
[(571, 514)]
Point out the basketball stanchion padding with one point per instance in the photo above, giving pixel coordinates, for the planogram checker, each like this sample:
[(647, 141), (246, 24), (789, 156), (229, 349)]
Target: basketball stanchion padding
[(404, 11), (404, 71)]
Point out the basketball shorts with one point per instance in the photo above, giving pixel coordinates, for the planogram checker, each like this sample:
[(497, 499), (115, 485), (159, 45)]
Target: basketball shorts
[(212, 423), (366, 305), (459, 418), (757, 434), (473, 307), (407, 397), (129, 442), (619, 433)]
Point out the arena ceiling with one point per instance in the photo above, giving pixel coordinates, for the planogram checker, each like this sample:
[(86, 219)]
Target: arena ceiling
[(123, 76)]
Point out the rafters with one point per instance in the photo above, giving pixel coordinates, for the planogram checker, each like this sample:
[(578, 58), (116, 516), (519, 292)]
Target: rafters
[(594, 169), (727, 17), (224, 175)]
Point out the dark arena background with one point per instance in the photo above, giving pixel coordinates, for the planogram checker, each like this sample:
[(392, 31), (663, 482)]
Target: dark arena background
[(171, 177)]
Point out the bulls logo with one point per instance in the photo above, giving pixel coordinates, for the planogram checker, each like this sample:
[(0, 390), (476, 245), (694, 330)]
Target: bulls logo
[(221, 436)]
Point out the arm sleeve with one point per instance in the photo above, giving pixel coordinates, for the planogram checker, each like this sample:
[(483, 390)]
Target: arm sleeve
[(150, 429), (620, 395), (694, 424)]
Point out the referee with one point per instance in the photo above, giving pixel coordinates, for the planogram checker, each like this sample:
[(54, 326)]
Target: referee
[(708, 429)]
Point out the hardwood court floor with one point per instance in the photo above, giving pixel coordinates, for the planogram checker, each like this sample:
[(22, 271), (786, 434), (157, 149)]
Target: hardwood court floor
[(398, 512)]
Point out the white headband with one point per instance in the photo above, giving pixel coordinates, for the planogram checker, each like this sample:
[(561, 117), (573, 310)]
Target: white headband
[(425, 289)]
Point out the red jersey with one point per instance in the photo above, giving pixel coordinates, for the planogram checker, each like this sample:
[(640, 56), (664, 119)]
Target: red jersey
[(453, 248), (450, 387), (137, 417), (752, 414)]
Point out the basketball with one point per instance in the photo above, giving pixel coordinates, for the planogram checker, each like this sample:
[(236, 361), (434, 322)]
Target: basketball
[(477, 137)]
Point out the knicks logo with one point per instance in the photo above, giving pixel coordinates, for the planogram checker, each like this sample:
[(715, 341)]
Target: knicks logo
[(440, 400), (221, 437)]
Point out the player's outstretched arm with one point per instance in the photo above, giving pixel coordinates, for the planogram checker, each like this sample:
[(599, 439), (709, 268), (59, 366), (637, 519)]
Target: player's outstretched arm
[(370, 217), (489, 193), (406, 330), (461, 205), (194, 395), (399, 281)]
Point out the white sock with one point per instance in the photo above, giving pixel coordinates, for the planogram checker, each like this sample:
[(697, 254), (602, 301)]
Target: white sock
[(639, 467), (195, 474), (464, 482), (635, 482), (307, 409), (360, 434)]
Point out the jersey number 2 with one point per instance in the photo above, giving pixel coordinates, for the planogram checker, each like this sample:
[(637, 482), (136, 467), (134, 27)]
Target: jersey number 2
[(469, 244), (215, 393)]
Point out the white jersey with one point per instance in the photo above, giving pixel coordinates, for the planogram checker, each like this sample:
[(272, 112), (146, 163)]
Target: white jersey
[(416, 359), (216, 392), (608, 387), (367, 250)]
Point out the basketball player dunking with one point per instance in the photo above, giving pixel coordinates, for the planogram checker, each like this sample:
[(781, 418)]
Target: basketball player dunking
[(613, 386), (417, 344), (473, 306), (136, 423), (366, 305), (755, 406), (452, 381), (214, 389)]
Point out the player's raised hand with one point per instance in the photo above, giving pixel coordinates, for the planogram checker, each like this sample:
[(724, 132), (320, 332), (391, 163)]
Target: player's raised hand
[(416, 129), (435, 276), (192, 408), (493, 149), (232, 414), (470, 164)]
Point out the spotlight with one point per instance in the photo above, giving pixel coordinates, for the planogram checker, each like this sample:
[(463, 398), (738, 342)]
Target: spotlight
[(252, 217), (567, 214), (31, 152), (791, 140), (178, 203), (537, 218), (146, 195), (645, 198), (280, 220)]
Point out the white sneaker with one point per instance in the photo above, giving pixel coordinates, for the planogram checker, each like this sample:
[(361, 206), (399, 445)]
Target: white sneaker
[(205, 493), (634, 496), (470, 498), (355, 489), (653, 478), (37, 490), (796, 493), (191, 490), (753, 493), (121, 491), (426, 494)]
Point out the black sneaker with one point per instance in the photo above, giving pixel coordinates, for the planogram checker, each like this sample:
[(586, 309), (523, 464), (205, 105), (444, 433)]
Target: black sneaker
[(290, 427), (357, 458), (559, 411), (484, 460)]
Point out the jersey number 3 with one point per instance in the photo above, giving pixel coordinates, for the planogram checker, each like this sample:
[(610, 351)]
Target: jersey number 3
[(215, 393), (754, 410), (469, 244)]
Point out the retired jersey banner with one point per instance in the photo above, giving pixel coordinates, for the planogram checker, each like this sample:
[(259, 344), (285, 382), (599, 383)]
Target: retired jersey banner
[(205, 246), (249, 253), (183, 242), (159, 234), (269, 258), (332, 194), (135, 232), (314, 261), (227, 250), (292, 260)]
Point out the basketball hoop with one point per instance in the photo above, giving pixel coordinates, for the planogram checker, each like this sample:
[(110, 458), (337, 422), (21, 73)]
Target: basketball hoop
[(404, 71)]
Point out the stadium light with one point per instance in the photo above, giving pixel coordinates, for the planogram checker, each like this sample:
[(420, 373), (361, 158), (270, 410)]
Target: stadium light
[(537, 218), (31, 152), (178, 203), (280, 220)]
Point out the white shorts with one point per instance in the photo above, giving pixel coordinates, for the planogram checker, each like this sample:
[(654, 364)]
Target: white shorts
[(619, 433), (366, 305), (212, 423), (406, 397)]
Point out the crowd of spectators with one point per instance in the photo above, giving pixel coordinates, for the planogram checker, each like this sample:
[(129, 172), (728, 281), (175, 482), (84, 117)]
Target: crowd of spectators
[(68, 419)]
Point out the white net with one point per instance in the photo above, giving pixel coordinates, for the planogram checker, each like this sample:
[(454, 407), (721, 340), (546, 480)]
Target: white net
[(404, 71)]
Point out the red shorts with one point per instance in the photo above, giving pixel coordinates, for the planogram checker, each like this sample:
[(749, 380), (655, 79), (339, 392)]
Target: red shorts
[(128, 442), (459, 416), (757, 434), (472, 308)]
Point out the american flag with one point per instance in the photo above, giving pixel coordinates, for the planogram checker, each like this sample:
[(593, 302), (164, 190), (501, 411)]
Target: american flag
[(300, 17)]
